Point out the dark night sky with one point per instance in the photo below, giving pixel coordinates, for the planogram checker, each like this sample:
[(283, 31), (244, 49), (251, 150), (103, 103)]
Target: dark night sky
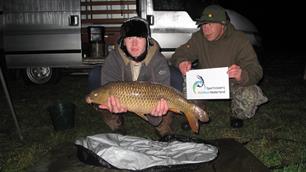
[(280, 23)]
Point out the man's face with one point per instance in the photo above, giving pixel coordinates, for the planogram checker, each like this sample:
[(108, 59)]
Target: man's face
[(212, 31), (135, 45)]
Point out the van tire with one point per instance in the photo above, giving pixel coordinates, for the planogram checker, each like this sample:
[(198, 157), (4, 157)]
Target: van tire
[(41, 75)]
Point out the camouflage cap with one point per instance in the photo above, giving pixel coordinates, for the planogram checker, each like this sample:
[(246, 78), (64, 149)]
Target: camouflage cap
[(213, 14)]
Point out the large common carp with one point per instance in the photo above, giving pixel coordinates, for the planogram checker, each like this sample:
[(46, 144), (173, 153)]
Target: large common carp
[(142, 97)]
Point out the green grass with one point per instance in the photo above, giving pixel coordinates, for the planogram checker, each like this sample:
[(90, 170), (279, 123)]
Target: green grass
[(276, 135)]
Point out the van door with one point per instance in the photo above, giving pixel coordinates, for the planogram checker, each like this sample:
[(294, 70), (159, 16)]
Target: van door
[(172, 24), (41, 35)]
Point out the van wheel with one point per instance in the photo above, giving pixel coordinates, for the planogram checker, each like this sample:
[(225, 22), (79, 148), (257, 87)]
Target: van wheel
[(41, 75)]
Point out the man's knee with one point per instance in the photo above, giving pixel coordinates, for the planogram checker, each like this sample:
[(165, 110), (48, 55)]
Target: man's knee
[(165, 127), (114, 121), (245, 101)]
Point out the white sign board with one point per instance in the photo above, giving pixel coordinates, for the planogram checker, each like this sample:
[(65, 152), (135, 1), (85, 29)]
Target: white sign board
[(210, 83)]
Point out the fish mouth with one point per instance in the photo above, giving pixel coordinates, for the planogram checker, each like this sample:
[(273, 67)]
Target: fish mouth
[(88, 100), (95, 105)]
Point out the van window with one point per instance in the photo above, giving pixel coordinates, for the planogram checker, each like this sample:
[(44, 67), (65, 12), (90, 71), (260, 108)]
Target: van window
[(169, 5), (193, 7)]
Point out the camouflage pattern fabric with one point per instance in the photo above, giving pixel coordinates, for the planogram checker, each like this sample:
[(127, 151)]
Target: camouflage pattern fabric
[(245, 100)]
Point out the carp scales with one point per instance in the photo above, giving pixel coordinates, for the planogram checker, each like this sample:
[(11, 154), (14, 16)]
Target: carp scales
[(142, 97)]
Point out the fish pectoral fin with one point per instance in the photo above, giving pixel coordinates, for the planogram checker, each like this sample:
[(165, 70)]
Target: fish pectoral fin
[(154, 120), (143, 116)]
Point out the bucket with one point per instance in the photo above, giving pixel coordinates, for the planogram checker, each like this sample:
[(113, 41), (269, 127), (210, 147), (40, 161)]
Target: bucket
[(62, 115)]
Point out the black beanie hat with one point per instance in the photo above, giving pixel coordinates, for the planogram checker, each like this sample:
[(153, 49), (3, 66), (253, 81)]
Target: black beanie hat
[(135, 26)]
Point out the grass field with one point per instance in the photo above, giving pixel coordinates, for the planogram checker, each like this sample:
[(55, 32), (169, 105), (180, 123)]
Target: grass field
[(276, 135)]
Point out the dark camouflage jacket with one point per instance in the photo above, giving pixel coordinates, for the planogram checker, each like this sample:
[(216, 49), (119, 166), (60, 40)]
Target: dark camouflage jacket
[(232, 48)]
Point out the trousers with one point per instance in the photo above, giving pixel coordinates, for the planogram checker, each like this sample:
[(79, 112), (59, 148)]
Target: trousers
[(245, 100)]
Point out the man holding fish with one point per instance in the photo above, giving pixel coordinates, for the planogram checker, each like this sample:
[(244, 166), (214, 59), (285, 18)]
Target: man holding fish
[(136, 58)]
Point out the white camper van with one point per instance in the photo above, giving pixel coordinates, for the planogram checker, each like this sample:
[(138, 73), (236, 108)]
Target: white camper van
[(41, 37)]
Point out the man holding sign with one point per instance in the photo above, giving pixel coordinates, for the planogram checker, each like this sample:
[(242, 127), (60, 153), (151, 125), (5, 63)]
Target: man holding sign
[(218, 44)]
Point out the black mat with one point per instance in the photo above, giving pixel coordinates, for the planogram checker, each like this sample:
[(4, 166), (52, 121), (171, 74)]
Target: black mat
[(232, 157)]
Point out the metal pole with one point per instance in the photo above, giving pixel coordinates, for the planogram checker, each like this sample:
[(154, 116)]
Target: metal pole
[(10, 103)]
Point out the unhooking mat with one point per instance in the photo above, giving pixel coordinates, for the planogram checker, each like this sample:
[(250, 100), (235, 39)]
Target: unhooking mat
[(232, 157), (136, 153)]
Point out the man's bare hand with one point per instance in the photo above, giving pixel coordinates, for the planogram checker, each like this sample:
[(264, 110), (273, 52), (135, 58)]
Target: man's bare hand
[(113, 105), (184, 67), (161, 108), (234, 71)]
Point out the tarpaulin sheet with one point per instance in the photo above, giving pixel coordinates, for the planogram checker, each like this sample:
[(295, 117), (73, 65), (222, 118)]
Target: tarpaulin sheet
[(135, 153)]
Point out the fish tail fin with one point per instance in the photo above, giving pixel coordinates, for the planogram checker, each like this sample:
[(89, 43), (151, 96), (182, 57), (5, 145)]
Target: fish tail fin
[(193, 121), (194, 114), (200, 113), (191, 118)]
